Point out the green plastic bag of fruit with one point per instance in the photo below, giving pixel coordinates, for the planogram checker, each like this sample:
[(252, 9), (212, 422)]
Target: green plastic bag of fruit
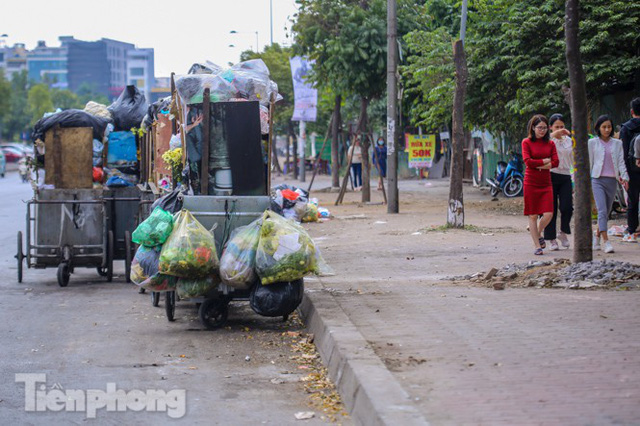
[(190, 250), (286, 252), (238, 260), (191, 288), (155, 230)]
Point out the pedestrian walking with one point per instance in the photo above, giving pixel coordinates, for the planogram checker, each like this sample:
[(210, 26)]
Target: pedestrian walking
[(380, 158), (630, 132), (540, 156), (607, 160), (562, 184), (355, 152)]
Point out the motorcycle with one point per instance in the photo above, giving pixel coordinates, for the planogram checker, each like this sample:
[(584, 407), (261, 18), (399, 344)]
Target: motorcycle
[(509, 178)]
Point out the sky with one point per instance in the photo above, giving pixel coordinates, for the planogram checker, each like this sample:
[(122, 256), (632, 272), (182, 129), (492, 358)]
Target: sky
[(181, 32)]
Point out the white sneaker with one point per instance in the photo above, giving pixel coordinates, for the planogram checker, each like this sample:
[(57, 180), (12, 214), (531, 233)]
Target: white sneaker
[(596, 243), (629, 238), (553, 246), (608, 248), (564, 240)]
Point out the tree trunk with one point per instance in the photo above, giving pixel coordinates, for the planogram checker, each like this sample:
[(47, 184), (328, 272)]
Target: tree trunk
[(363, 125), (335, 154), (578, 95), (455, 213), (275, 155)]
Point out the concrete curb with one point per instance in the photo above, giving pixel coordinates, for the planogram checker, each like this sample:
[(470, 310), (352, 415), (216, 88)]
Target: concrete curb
[(369, 391)]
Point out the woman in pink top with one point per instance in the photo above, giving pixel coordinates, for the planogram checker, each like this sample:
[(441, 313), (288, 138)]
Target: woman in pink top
[(606, 156)]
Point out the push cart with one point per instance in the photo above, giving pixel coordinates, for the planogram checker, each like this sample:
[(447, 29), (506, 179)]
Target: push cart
[(126, 208), (223, 214), (67, 229)]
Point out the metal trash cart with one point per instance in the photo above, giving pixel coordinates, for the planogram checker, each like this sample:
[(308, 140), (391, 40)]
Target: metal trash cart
[(67, 229), (126, 208), (223, 214)]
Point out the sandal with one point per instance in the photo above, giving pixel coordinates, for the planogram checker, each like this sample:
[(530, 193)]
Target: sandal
[(538, 252), (542, 243)]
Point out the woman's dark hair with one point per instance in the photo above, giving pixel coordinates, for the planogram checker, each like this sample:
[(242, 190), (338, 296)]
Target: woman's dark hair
[(554, 118), (535, 120), (600, 121)]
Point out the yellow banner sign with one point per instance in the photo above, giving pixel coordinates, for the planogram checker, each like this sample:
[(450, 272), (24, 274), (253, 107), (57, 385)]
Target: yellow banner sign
[(421, 150)]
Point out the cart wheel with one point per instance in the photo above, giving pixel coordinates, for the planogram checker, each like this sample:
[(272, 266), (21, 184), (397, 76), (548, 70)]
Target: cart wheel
[(213, 313), (110, 257), (127, 256), (170, 305), (155, 298), (63, 274), (19, 256)]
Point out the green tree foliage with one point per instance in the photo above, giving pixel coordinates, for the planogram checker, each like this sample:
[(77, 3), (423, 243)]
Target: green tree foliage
[(17, 120), (5, 97), (65, 99), (86, 92), (516, 59), (39, 99)]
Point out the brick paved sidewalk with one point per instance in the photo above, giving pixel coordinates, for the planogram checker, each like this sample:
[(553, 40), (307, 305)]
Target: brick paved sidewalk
[(514, 357)]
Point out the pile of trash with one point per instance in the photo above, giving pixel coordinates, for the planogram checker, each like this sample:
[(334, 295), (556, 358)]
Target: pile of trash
[(294, 203), (245, 81), (269, 257), (118, 164), (560, 273)]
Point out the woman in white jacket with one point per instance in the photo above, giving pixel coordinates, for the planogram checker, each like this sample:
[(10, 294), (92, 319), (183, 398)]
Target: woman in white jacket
[(606, 157)]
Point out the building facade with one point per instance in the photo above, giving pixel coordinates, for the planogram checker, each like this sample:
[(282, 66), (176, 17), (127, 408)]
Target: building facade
[(13, 59), (48, 65), (117, 57), (140, 70)]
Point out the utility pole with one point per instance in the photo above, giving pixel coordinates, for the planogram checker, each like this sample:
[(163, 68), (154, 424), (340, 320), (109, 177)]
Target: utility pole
[(271, 19), (392, 108), (302, 144)]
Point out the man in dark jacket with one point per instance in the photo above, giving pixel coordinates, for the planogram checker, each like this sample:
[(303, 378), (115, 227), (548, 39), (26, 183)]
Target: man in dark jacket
[(629, 130)]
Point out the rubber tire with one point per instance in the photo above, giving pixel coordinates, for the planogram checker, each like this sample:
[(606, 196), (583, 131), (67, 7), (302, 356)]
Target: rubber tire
[(63, 274), (110, 257), (507, 187), (170, 305), (213, 313), (155, 299), (127, 256), (101, 271), (20, 256)]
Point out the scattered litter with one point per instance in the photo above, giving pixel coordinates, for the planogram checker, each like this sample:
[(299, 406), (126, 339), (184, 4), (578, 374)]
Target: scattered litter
[(616, 231), (277, 381), (305, 415), (417, 233), (489, 234), (379, 222), (247, 358)]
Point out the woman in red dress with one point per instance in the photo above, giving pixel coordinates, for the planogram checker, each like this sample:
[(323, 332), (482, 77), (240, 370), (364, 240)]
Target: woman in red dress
[(540, 156)]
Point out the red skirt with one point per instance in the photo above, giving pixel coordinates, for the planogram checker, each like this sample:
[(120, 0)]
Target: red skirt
[(538, 199)]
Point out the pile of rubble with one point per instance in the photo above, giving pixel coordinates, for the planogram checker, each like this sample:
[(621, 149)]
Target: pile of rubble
[(560, 273)]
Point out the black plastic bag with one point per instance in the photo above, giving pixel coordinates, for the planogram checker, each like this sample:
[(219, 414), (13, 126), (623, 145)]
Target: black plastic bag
[(287, 204), (172, 202), (277, 299), (129, 109), (70, 118)]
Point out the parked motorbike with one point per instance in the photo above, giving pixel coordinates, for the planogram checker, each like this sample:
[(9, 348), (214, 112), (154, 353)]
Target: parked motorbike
[(508, 178)]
